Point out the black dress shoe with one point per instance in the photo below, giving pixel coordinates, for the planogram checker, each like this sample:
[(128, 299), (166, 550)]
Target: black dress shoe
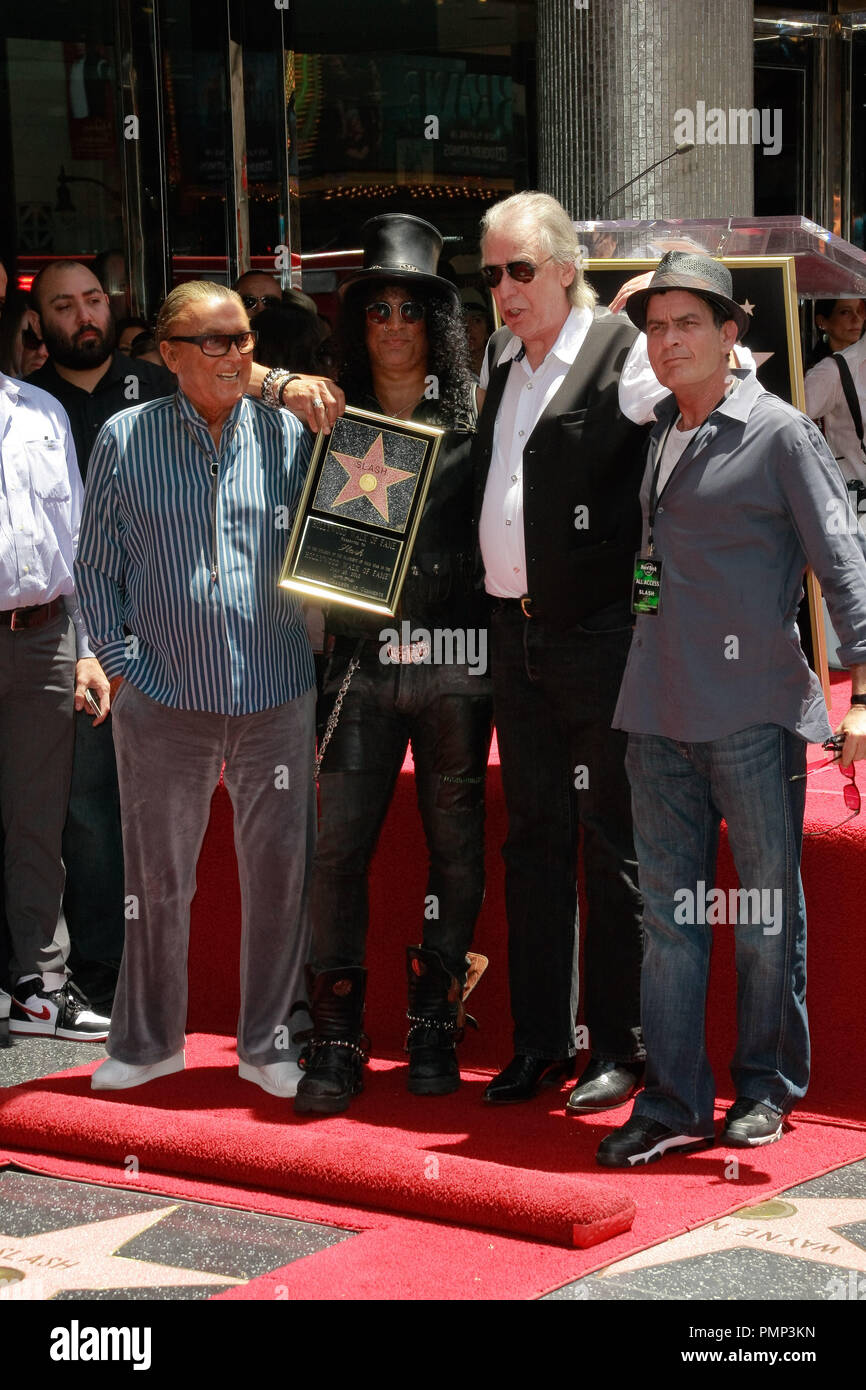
[(604, 1085), (524, 1076)]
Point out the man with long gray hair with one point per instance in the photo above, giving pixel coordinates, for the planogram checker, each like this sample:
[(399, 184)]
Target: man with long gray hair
[(558, 468)]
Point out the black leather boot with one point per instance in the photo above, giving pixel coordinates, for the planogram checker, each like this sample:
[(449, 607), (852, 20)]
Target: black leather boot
[(436, 1018), (335, 1052)]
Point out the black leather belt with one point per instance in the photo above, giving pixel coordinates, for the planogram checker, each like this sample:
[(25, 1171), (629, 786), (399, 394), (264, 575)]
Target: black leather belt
[(524, 606), (36, 616)]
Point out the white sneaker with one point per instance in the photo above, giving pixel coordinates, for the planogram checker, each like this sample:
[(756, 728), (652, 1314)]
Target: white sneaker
[(113, 1075), (277, 1078)]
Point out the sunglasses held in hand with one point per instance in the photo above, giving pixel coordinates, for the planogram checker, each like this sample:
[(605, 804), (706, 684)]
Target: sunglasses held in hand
[(850, 792)]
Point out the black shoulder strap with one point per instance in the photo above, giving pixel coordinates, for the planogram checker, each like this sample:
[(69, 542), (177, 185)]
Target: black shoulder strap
[(850, 394)]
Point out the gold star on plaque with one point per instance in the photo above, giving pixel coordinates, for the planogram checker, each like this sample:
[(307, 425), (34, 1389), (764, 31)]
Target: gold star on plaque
[(369, 477)]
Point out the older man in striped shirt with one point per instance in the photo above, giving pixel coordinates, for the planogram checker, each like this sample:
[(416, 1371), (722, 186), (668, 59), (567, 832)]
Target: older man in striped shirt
[(181, 543)]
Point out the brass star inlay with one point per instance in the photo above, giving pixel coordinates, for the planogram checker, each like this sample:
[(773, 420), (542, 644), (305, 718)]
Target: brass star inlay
[(804, 1229), (35, 1268)]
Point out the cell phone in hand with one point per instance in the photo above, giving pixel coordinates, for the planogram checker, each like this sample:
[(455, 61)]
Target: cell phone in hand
[(92, 703)]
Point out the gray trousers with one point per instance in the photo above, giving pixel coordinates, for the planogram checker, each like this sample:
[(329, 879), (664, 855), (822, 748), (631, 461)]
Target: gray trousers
[(168, 764), (37, 687)]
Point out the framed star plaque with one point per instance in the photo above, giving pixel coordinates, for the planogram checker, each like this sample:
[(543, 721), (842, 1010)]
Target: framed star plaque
[(362, 503)]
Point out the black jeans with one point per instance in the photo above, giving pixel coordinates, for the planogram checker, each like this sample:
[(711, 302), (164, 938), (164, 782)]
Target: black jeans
[(93, 848), (446, 712), (563, 770)]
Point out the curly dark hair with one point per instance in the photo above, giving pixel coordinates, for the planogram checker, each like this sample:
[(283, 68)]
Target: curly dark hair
[(447, 356)]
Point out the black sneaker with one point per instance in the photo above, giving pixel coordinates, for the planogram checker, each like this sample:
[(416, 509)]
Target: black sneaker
[(5, 1004), (56, 1013), (642, 1140), (749, 1124)]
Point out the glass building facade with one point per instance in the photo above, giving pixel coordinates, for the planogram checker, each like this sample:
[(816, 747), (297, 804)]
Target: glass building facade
[(193, 138)]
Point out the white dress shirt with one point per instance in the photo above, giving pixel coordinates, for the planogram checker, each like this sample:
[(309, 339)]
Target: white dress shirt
[(825, 400), (40, 502), (526, 395)]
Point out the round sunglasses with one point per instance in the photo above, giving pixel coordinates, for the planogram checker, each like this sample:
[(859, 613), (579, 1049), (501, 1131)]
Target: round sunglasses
[(410, 311), (521, 271)]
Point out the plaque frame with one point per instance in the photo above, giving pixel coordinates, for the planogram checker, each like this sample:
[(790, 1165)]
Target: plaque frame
[(311, 517)]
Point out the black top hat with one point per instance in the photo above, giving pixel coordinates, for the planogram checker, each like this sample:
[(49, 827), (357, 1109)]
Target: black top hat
[(680, 270), (399, 248)]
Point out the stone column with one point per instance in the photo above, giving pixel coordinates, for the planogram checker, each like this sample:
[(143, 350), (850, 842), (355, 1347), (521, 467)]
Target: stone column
[(611, 76)]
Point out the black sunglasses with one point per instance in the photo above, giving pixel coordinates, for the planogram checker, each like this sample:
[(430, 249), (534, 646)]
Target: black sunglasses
[(380, 312), (521, 271), (219, 344), (271, 301)]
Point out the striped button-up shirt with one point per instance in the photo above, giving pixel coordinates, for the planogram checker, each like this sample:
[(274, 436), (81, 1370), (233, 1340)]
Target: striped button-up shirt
[(180, 552)]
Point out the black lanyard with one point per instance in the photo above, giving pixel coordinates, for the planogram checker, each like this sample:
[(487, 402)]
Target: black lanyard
[(654, 492)]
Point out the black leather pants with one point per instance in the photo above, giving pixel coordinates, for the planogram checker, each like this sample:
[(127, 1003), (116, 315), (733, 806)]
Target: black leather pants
[(446, 713)]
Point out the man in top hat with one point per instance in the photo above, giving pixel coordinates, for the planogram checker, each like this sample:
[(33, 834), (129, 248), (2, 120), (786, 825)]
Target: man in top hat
[(405, 356), (740, 493)]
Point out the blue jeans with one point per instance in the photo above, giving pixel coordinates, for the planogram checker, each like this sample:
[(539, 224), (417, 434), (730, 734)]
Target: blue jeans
[(680, 792)]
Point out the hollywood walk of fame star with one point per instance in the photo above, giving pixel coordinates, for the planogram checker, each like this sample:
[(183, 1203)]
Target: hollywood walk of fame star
[(804, 1229), (369, 477), (82, 1257), (747, 308)]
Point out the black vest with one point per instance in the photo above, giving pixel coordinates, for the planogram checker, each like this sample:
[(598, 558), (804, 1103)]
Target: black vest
[(582, 470)]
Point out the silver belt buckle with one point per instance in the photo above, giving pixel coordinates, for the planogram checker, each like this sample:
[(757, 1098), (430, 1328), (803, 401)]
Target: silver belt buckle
[(410, 655)]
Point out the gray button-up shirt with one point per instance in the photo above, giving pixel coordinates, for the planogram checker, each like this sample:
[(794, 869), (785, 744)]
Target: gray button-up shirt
[(755, 497)]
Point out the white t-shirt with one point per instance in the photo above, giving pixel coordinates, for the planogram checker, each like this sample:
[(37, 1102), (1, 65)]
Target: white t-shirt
[(675, 445)]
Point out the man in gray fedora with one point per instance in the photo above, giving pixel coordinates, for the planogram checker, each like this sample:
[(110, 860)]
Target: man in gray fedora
[(740, 493)]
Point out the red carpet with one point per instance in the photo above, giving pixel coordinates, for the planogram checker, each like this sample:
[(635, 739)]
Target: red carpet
[(207, 1122), (512, 1170)]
